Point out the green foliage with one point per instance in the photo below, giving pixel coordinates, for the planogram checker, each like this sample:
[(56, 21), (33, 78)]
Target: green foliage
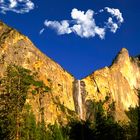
[(133, 129), (106, 128), (38, 83), (56, 132), (41, 133), (46, 89), (40, 87), (34, 92), (80, 130), (15, 86), (133, 115), (14, 124), (28, 125)]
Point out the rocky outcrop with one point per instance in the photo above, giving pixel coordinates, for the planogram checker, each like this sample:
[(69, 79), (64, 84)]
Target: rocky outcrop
[(69, 96), (120, 81)]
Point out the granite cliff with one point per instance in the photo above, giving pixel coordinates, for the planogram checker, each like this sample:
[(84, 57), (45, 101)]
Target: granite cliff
[(17, 49), (69, 97), (121, 81)]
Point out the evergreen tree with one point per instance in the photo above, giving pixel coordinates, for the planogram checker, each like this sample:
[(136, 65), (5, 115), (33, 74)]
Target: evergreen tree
[(57, 132), (28, 128), (15, 85)]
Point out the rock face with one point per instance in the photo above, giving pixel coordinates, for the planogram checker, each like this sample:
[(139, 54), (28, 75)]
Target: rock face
[(69, 96), (17, 49), (120, 81)]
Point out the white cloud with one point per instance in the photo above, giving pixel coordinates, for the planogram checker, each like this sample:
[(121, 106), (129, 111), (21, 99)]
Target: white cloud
[(111, 25), (83, 23), (61, 27), (100, 32), (115, 13), (13, 3), (17, 6)]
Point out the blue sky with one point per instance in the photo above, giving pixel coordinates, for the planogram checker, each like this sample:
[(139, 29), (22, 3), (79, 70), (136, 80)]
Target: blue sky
[(78, 53)]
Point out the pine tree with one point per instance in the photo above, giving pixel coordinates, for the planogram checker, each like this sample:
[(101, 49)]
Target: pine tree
[(28, 127), (15, 85), (57, 133)]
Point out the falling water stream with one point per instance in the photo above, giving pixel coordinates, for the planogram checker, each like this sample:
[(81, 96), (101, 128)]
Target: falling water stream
[(80, 100)]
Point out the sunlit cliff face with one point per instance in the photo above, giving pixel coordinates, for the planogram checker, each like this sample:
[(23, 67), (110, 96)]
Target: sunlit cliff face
[(121, 81), (17, 49), (69, 98)]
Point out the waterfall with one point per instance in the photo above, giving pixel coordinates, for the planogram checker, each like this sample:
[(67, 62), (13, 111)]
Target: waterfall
[(79, 97)]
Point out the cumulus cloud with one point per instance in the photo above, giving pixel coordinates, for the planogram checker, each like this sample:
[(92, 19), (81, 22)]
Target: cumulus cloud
[(61, 27), (111, 25), (17, 6), (83, 23), (115, 13)]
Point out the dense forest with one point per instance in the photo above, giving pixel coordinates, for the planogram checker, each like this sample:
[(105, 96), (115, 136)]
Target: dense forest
[(18, 122)]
